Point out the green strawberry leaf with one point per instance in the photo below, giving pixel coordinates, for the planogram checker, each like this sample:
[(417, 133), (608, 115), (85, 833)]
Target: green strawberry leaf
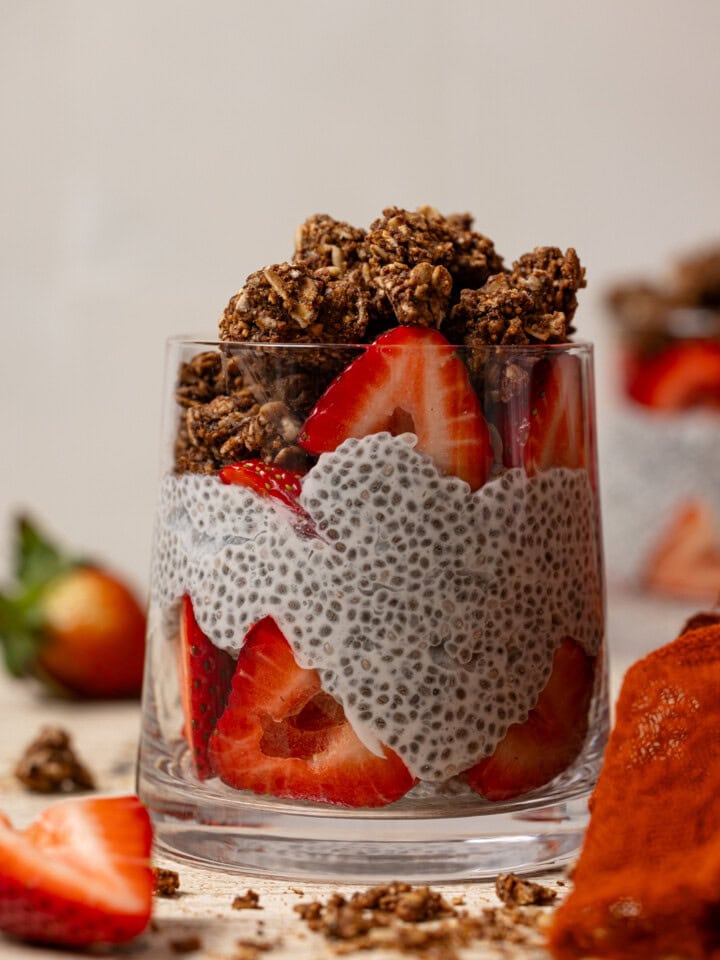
[(37, 564), (37, 560), (20, 636)]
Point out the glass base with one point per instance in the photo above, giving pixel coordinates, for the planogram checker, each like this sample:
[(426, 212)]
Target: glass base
[(467, 848), (444, 838)]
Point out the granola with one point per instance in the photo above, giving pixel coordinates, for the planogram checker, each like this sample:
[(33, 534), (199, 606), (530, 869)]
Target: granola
[(248, 901), (347, 285), (50, 765), (166, 883), (419, 294), (535, 303), (322, 241), (416, 921), (516, 892), (696, 280), (290, 303)]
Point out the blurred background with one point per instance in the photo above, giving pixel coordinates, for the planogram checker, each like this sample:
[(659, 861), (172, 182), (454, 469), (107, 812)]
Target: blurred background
[(154, 153)]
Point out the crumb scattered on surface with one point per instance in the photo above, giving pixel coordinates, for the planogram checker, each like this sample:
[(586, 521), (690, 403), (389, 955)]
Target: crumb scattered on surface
[(416, 921), (187, 944), (247, 949), (516, 892), (166, 883), (249, 901), (50, 764)]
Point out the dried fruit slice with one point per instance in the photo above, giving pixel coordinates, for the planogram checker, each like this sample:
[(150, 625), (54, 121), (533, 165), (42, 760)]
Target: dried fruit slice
[(409, 380), (536, 751), (686, 561), (281, 734), (79, 874), (205, 677)]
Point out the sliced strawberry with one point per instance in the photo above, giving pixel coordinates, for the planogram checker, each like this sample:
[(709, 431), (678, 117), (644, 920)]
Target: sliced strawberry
[(536, 751), (205, 678), (682, 375), (270, 481), (409, 380), (556, 423), (686, 561), (281, 734), (79, 875)]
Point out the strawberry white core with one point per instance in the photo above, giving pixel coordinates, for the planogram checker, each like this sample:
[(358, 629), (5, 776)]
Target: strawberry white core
[(431, 612)]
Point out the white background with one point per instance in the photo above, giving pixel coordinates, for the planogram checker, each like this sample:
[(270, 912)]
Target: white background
[(154, 152)]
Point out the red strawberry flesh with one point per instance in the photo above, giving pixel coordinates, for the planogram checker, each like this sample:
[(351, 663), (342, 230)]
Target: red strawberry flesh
[(281, 734), (556, 435), (205, 677), (79, 875), (683, 375), (536, 751), (271, 481), (409, 380)]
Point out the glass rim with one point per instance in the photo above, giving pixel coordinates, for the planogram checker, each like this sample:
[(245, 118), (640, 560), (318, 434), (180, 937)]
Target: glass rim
[(198, 340)]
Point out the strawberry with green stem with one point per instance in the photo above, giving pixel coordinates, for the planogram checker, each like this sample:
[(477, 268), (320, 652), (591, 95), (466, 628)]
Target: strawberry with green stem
[(71, 623)]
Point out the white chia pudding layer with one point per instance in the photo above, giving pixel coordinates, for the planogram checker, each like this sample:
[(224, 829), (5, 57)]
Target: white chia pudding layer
[(681, 453), (431, 612)]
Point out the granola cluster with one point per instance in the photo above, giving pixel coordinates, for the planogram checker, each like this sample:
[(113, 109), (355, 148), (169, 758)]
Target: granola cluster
[(50, 764), (533, 303), (231, 413), (651, 308), (346, 285)]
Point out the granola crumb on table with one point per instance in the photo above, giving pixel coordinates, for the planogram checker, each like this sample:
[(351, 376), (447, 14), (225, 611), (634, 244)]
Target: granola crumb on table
[(417, 921), (189, 944), (248, 901), (50, 764), (516, 892), (166, 883)]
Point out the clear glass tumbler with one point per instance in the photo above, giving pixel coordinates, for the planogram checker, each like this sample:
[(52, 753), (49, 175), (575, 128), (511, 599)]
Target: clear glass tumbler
[(376, 634), (663, 456)]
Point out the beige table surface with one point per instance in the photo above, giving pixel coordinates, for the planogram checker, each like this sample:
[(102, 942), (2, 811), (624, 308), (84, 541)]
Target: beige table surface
[(105, 737)]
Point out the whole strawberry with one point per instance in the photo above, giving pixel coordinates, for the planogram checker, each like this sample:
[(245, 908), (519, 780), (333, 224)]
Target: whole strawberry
[(70, 623)]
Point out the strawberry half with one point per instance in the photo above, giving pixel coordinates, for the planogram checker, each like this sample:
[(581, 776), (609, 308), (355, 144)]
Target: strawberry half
[(270, 481), (281, 734), (682, 375), (686, 561), (79, 874), (409, 380), (536, 751), (556, 434), (205, 677)]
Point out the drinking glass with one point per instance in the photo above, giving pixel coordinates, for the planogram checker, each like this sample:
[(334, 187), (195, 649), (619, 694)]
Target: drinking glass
[(376, 633), (662, 454)]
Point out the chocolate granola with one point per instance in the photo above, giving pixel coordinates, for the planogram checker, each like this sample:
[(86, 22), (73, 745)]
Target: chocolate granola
[(346, 285), (517, 892), (50, 765), (322, 241), (290, 303), (166, 883), (534, 303)]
